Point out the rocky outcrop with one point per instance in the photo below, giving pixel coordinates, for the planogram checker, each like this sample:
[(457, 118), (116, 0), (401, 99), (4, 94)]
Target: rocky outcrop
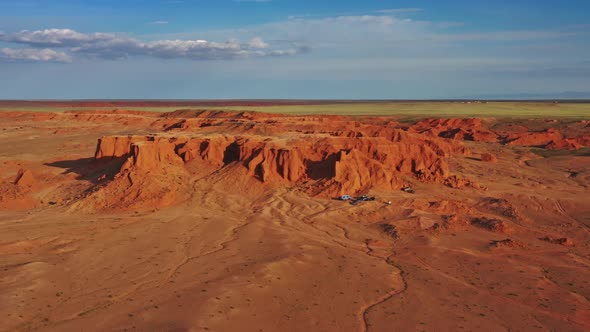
[(573, 143), (506, 243), (564, 144), (538, 138), (563, 241), (329, 165), (219, 114), (268, 164), (152, 155), (461, 129), (152, 175), (493, 225), (111, 147)]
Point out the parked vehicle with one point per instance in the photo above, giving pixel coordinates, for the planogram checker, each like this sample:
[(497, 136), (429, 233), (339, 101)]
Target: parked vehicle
[(363, 198), (408, 189)]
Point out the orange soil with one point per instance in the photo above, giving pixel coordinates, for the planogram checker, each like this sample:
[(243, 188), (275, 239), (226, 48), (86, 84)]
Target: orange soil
[(201, 220)]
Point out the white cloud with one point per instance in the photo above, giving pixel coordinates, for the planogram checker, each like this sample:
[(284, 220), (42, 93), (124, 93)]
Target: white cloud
[(258, 43), (55, 37), (33, 55), (193, 49), (112, 46)]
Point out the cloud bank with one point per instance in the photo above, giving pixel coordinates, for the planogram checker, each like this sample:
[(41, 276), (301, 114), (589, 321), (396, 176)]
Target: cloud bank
[(33, 55), (113, 46)]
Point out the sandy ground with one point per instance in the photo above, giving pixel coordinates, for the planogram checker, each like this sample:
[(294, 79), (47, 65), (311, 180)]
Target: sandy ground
[(278, 258)]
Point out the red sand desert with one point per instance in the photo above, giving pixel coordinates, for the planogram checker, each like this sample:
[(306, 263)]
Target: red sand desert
[(202, 220)]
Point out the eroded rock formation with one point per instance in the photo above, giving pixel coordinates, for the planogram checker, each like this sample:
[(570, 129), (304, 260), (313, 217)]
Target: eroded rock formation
[(462, 129), (328, 165)]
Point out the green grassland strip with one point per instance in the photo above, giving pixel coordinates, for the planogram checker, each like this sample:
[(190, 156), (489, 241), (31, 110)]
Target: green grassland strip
[(400, 110)]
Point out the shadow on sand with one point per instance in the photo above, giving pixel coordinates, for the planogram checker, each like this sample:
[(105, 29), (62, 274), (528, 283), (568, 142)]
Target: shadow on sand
[(90, 169)]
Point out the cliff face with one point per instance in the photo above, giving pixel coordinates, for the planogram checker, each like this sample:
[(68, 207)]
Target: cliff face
[(152, 155), (116, 146), (337, 165), (151, 175), (289, 160)]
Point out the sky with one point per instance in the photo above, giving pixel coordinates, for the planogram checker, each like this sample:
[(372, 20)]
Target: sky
[(294, 49)]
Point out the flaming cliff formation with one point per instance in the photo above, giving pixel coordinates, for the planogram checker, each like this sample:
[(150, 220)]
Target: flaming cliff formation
[(327, 164)]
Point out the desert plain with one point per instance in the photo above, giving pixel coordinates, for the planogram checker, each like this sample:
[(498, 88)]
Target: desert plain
[(162, 216)]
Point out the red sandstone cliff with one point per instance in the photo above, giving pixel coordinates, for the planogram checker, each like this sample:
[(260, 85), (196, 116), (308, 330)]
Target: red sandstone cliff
[(154, 167)]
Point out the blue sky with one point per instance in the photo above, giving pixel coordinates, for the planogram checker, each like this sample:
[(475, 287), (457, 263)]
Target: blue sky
[(369, 49)]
